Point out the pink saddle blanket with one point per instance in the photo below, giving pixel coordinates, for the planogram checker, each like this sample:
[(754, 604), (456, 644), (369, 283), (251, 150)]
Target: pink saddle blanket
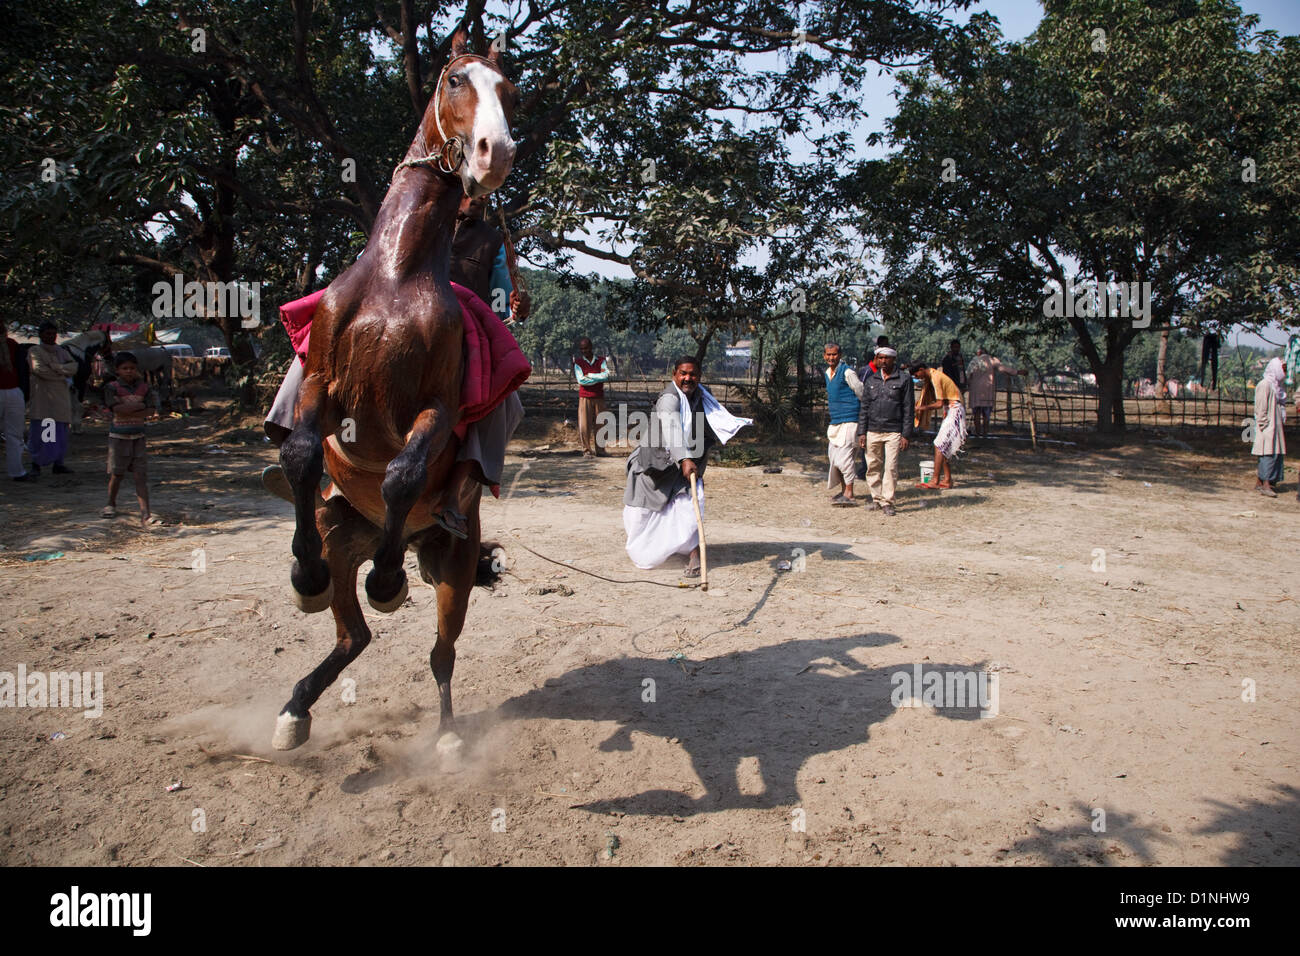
[(495, 366)]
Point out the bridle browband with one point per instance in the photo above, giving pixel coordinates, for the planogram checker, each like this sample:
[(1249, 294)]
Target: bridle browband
[(450, 146)]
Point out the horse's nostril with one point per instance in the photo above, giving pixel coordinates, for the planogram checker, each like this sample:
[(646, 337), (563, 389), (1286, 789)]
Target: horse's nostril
[(484, 148)]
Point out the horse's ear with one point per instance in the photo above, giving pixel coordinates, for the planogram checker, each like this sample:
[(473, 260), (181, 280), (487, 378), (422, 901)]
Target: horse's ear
[(460, 42), (494, 52)]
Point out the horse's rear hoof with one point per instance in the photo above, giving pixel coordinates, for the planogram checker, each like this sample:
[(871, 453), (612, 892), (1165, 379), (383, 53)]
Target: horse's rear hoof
[(451, 752), (312, 603), (391, 605), (291, 731)]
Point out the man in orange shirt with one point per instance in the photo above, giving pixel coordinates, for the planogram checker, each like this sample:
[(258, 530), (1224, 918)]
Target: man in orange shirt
[(952, 433)]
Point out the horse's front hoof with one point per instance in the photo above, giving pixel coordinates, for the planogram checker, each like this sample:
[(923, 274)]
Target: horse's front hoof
[(291, 731), (393, 603), (312, 603), (451, 752)]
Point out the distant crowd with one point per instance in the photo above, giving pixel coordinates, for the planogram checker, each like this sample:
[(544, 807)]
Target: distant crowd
[(53, 404)]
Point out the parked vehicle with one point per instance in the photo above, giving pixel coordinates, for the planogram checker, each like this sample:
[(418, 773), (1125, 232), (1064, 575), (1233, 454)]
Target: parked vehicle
[(218, 351), (180, 351)]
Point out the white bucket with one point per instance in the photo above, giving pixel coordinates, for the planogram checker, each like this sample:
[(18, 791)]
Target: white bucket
[(927, 472)]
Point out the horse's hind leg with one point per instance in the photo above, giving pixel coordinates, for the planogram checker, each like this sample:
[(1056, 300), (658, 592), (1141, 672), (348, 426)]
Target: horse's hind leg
[(348, 539), (404, 482), (451, 565), (303, 461)]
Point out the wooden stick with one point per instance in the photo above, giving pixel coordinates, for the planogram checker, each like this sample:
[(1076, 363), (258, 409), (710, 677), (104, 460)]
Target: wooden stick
[(699, 523), (1028, 401)]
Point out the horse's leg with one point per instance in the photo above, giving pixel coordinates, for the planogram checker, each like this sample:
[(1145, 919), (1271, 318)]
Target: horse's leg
[(303, 461), (348, 539), (404, 481), (450, 565)]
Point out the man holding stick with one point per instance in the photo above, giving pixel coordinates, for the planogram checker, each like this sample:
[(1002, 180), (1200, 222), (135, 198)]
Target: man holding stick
[(658, 513)]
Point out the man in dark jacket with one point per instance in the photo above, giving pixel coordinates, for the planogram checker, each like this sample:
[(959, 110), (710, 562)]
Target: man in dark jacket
[(885, 425)]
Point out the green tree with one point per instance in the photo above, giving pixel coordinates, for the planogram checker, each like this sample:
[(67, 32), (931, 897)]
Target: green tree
[(1110, 146), (235, 141)]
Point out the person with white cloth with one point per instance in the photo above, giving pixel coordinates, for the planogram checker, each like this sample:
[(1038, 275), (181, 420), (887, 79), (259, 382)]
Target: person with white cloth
[(1270, 416), (658, 514)]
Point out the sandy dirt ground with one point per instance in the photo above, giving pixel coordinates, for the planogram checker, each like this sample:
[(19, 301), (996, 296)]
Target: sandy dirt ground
[(1146, 697)]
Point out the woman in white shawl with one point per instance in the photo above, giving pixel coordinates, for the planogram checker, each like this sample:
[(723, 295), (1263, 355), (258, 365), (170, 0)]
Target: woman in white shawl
[(1270, 415)]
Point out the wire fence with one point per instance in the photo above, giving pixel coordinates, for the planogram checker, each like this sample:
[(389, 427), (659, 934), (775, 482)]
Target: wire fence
[(1053, 410)]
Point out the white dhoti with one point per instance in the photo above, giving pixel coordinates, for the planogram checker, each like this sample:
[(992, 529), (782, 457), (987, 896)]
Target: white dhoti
[(655, 536), (952, 433), (841, 440), (281, 412)]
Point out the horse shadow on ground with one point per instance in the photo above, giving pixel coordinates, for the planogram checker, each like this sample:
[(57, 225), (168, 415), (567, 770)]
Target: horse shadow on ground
[(781, 704)]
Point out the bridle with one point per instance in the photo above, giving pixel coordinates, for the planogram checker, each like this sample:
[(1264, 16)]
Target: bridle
[(453, 146)]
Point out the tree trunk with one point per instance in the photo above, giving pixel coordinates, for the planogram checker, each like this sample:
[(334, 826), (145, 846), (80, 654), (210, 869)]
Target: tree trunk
[(238, 340), (702, 346), (799, 398), (1110, 394), (1109, 371), (1162, 390), (1160, 363)]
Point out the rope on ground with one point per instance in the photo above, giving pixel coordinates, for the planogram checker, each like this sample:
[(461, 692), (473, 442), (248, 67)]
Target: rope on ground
[(681, 585)]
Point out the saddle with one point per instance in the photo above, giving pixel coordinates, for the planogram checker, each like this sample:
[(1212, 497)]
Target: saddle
[(495, 366)]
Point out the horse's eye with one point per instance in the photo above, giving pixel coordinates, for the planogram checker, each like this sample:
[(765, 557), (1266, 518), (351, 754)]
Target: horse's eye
[(453, 81)]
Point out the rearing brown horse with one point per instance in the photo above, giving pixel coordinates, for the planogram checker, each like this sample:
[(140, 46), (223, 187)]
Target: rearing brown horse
[(381, 393)]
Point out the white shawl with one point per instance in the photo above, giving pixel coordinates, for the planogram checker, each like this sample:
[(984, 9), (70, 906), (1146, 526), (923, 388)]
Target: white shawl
[(724, 424), (1273, 372)]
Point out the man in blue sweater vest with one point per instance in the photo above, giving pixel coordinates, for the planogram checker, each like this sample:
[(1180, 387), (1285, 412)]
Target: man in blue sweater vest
[(843, 390)]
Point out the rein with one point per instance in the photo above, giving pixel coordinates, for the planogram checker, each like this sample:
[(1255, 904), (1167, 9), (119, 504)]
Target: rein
[(454, 146)]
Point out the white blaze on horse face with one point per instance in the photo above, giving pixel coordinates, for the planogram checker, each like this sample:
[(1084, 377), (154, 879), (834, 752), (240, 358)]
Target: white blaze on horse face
[(490, 151)]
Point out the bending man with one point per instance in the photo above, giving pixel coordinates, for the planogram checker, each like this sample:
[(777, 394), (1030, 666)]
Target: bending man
[(952, 433), (657, 512)]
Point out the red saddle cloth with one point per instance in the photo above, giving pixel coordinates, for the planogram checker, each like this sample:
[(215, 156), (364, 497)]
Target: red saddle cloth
[(495, 366)]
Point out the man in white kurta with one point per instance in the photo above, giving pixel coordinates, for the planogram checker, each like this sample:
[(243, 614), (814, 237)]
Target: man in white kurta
[(658, 514), (1270, 416), (981, 378)]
